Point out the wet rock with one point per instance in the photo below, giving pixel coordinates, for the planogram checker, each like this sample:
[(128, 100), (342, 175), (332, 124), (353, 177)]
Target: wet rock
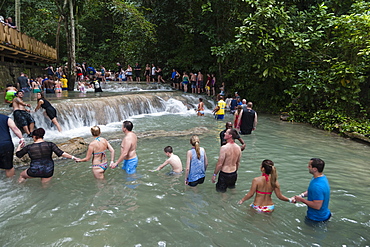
[(74, 146)]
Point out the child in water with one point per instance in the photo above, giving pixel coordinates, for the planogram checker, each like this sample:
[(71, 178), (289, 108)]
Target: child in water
[(173, 160)]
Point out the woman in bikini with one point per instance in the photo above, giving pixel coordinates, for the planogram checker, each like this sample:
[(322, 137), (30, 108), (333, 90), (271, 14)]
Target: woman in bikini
[(97, 150), (263, 187)]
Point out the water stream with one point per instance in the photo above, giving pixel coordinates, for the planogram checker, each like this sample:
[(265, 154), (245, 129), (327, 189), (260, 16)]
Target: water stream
[(154, 209)]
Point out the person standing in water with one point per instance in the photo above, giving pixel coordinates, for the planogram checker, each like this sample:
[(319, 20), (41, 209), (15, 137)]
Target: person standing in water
[(228, 163), (40, 152), (128, 149), (97, 150), (200, 110), (49, 109), (318, 193), (263, 186), (196, 163), (6, 144), (22, 117)]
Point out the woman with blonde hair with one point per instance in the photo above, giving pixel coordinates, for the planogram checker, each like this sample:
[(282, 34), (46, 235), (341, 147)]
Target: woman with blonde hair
[(196, 163), (263, 186), (97, 150)]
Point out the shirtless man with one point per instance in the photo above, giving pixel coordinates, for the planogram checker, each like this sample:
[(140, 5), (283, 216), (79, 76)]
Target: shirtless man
[(21, 115), (173, 160), (128, 149), (228, 163)]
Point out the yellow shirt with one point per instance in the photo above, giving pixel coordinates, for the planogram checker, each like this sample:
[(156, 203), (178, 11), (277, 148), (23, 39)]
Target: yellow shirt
[(222, 106), (64, 82)]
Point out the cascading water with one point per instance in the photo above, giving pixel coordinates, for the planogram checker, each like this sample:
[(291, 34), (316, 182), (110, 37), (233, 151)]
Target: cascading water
[(154, 209)]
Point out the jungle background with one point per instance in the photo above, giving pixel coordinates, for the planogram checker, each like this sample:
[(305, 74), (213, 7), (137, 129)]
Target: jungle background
[(308, 58)]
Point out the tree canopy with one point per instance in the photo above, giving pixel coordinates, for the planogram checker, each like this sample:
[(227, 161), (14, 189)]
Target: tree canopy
[(308, 58)]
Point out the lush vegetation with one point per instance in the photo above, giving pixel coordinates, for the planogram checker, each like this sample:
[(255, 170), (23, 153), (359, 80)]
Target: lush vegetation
[(308, 58)]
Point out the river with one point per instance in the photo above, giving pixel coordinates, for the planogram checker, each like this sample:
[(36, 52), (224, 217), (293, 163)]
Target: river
[(154, 209)]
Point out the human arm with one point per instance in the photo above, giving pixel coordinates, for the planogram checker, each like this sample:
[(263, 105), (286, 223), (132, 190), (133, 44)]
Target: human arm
[(16, 131), (21, 102), (89, 153), (243, 144), (255, 121), (219, 164), (163, 165), (187, 169), (251, 191), (315, 204), (39, 103), (111, 150), (125, 148), (205, 160), (69, 156), (279, 194)]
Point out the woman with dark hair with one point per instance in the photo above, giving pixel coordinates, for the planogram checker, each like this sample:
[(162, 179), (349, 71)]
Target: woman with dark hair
[(40, 152), (263, 186), (50, 110), (196, 163)]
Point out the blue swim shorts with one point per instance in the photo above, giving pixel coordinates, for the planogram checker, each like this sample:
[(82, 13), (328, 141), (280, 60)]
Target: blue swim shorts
[(130, 165), (219, 116)]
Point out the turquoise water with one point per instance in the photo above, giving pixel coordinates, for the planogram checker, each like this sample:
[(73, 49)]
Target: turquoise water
[(154, 209)]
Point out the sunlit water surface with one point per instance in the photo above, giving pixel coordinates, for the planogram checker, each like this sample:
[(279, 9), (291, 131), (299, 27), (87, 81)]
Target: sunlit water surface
[(154, 209)]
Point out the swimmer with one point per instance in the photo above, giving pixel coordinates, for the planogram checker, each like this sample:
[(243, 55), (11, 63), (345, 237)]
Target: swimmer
[(97, 150), (128, 149), (263, 186), (173, 160)]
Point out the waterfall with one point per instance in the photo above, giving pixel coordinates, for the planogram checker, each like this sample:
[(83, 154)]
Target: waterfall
[(87, 112)]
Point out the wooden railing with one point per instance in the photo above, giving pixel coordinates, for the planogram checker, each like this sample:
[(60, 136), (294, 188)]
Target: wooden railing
[(15, 39)]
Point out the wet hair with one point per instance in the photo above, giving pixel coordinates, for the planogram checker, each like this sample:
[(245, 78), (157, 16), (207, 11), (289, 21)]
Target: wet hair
[(200, 99), (20, 91), (194, 141), (9, 85), (168, 149), (128, 125), (270, 169), (38, 133), (233, 133), (318, 163), (95, 130)]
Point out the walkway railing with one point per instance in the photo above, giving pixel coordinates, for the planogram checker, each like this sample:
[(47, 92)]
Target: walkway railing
[(15, 39)]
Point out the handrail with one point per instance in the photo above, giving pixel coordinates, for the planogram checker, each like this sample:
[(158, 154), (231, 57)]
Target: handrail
[(25, 43)]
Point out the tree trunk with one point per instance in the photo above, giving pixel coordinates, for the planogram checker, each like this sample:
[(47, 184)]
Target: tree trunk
[(57, 38), (72, 49)]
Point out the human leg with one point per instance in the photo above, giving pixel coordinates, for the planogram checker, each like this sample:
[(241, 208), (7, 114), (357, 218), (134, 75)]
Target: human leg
[(56, 123), (23, 176)]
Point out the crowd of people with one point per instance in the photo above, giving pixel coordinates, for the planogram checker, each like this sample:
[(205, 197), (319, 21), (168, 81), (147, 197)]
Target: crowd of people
[(224, 174), (225, 171)]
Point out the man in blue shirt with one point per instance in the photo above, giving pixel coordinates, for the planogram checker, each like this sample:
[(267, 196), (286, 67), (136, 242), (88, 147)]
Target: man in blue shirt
[(318, 193)]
